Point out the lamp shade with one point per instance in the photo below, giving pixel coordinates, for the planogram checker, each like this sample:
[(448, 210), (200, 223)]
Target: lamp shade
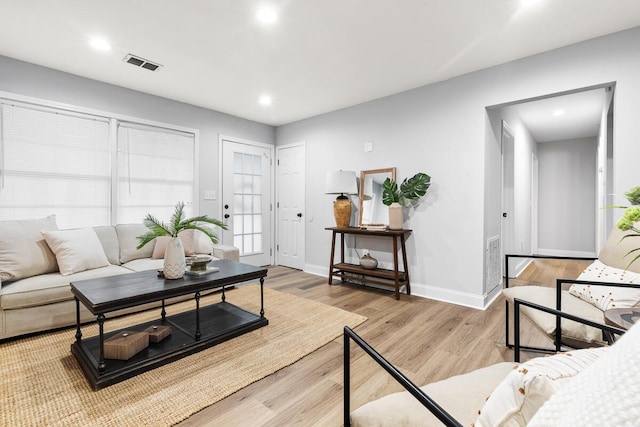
[(341, 182)]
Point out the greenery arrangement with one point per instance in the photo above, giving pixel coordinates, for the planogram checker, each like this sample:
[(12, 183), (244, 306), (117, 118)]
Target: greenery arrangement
[(633, 195), (630, 216), (408, 193), (177, 223)]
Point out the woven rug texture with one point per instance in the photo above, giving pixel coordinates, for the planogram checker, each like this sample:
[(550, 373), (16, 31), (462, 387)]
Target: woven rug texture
[(42, 384)]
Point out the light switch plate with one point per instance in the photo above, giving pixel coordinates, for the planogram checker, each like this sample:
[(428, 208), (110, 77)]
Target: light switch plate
[(209, 195), (368, 147)]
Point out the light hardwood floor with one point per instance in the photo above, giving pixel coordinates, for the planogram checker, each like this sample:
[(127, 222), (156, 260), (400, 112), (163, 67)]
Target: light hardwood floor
[(427, 340)]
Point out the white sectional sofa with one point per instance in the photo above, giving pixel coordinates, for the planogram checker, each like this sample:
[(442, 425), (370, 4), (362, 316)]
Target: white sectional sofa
[(38, 261)]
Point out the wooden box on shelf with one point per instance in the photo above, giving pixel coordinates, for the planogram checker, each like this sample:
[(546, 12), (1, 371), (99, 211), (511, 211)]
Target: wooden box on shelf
[(126, 344), (158, 333)]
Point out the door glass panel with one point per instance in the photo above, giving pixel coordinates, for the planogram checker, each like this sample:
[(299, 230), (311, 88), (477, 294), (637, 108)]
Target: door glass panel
[(247, 207)]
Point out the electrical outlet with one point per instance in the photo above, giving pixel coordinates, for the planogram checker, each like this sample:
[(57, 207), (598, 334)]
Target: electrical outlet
[(368, 146)]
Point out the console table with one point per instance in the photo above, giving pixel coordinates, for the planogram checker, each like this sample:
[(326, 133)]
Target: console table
[(394, 278)]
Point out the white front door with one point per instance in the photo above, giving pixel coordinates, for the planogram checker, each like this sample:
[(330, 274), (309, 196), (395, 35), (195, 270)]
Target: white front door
[(290, 205), (246, 199)]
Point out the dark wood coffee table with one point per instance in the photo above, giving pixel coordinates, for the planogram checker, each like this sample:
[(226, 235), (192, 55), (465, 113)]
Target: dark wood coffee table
[(192, 331)]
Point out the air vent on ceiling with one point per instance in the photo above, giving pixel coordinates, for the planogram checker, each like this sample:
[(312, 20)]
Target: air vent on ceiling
[(141, 62)]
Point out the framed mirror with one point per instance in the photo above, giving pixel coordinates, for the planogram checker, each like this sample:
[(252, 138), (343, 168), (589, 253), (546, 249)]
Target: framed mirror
[(372, 211)]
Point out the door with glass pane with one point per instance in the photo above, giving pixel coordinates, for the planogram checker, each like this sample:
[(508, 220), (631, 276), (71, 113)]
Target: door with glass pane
[(246, 199)]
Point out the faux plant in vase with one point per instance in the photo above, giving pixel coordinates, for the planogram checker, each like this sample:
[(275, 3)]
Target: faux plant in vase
[(174, 259), (407, 195), (630, 218)]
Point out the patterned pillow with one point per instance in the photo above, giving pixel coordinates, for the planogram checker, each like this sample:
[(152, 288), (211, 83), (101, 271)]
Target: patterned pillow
[(606, 297), (530, 385), (607, 393)]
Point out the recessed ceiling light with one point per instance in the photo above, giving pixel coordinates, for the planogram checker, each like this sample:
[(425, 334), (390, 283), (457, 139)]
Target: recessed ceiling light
[(265, 100), (266, 15), (558, 113), (99, 43)]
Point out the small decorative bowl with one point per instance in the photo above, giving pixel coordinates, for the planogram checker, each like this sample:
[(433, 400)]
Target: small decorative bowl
[(198, 263)]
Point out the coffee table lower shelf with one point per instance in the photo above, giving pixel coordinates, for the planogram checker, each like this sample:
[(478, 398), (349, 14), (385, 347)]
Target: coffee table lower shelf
[(218, 323)]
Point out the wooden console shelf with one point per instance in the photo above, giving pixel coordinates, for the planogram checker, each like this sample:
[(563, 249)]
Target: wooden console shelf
[(394, 278)]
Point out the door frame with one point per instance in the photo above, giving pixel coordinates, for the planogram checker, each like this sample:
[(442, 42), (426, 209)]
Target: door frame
[(277, 197), (507, 206), (263, 145)]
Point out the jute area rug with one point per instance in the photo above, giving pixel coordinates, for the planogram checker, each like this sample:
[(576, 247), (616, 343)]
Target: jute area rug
[(42, 384)]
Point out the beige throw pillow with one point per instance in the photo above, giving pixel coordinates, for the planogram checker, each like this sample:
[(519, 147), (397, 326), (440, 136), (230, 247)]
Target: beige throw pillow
[(519, 396), (23, 250), (76, 250), (186, 237)]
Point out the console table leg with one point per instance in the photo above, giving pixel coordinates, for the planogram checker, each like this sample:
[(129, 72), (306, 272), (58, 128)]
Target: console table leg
[(197, 316), (396, 273), (101, 364), (333, 250), (405, 263), (78, 330), (262, 297)]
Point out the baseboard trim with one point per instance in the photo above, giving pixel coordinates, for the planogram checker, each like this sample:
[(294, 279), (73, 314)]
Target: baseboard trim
[(466, 299), (559, 252)]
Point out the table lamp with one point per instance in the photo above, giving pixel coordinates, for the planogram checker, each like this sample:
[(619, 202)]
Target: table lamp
[(341, 182)]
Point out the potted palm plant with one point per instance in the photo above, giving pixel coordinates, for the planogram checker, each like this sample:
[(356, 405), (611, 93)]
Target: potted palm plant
[(174, 260), (407, 194)]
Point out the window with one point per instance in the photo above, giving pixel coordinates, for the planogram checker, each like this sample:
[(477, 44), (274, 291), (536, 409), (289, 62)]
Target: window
[(155, 170), (54, 161)]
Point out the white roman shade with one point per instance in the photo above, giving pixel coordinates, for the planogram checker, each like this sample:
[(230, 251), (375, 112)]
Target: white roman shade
[(54, 161)]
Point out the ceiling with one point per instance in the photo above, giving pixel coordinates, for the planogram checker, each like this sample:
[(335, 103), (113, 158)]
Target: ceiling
[(319, 55), (557, 118)]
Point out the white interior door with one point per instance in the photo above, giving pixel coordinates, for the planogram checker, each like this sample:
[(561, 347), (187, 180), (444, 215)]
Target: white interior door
[(508, 179), (290, 178), (246, 199)]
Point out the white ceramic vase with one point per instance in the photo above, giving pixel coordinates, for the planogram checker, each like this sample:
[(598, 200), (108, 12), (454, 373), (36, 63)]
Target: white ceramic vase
[(395, 216), (174, 262)]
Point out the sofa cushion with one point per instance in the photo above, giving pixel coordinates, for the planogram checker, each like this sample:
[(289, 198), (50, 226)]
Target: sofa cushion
[(23, 250), (48, 288), (76, 250), (574, 334), (143, 264), (530, 385), (614, 251), (459, 395), (607, 393), (606, 297), (128, 241), (109, 239)]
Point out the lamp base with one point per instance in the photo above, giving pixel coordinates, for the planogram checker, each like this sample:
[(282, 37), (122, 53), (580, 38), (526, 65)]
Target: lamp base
[(342, 211)]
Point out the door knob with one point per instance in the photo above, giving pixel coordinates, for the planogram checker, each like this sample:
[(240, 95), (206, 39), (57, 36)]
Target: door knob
[(226, 216), (226, 206), (299, 215)]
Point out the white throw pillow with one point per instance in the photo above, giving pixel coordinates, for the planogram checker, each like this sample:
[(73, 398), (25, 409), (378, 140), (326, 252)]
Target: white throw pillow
[(23, 251), (76, 250), (607, 393), (519, 396), (606, 297)]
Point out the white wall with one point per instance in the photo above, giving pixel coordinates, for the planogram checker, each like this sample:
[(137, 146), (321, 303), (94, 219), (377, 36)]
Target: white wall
[(443, 129), (567, 206), (26, 79)]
